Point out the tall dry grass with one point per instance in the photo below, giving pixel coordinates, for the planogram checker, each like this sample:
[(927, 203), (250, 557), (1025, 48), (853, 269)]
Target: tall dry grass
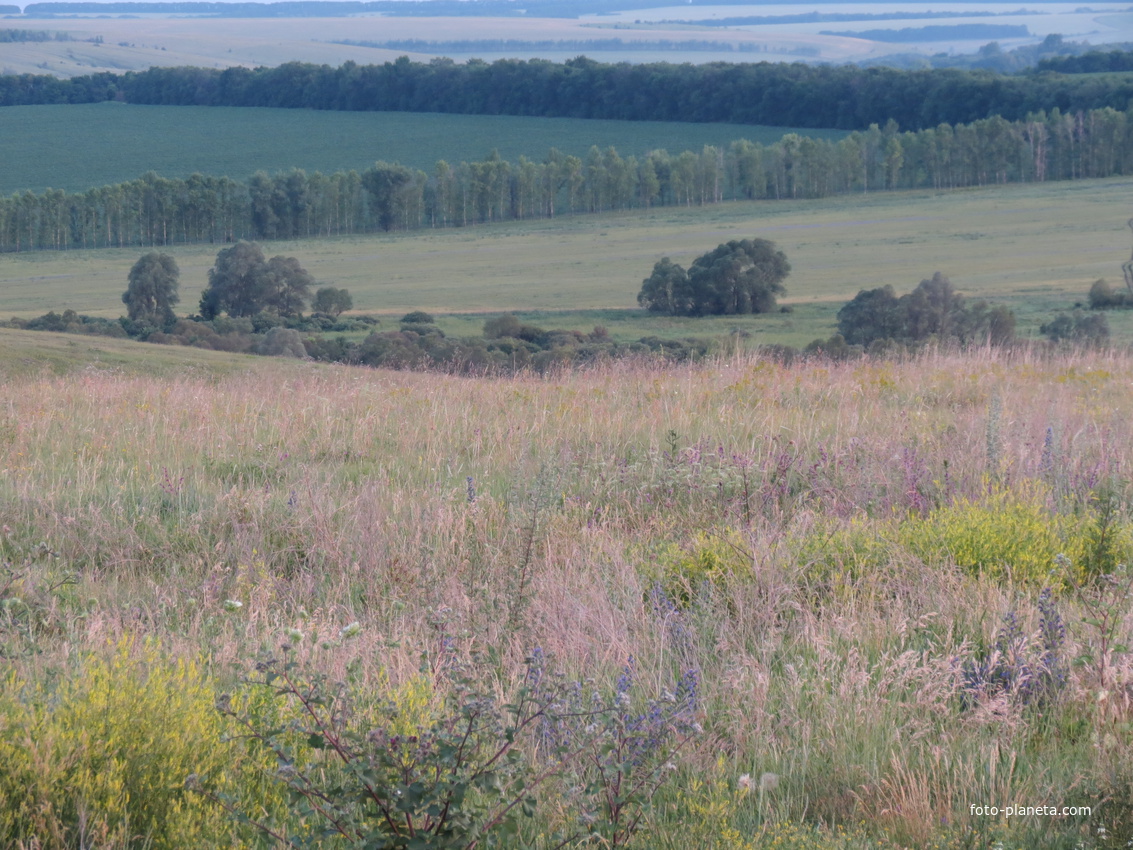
[(689, 516)]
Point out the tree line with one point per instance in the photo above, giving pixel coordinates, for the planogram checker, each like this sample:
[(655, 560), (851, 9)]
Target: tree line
[(798, 95), (9, 36), (154, 210), (1093, 62)]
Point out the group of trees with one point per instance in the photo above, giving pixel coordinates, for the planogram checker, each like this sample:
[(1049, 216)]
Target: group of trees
[(1090, 62), (254, 305), (244, 283), (741, 276), (779, 94), (506, 345), (934, 310), (1077, 327), (153, 210), (241, 284)]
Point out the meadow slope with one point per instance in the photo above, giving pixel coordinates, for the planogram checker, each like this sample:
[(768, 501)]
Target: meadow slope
[(832, 548)]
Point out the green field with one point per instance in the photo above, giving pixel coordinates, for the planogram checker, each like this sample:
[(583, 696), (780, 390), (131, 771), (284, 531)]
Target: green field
[(76, 147), (1036, 248)]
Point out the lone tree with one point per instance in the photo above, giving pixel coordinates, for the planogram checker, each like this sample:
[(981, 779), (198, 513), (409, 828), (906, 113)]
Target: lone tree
[(151, 291), (332, 301), (741, 276), (243, 283)]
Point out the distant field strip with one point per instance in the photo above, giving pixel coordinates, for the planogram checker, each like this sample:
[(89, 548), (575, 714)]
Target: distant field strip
[(582, 46), (77, 147), (937, 33)]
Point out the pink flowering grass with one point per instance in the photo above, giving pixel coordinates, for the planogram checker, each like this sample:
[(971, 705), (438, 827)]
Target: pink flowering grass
[(775, 509)]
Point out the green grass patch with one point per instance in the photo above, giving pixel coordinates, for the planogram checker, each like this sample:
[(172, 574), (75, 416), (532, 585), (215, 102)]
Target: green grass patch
[(34, 353)]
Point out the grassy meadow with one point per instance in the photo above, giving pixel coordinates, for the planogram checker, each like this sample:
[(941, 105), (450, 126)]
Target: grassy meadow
[(1036, 248), (120, 142), (735, 604), (850, 557)]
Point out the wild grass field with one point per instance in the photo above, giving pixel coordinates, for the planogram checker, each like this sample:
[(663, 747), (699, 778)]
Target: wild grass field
[(878, 594), (731, 604), (1036, 248)]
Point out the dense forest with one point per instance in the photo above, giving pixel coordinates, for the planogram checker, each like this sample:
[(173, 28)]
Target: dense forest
[(153, 210), (1093, 62), (777, 94)]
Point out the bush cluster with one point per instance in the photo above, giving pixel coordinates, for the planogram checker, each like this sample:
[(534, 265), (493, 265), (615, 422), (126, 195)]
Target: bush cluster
[(71, 322), (1105, 297), (101, 760), (934, 310), (1078, 327), (220, 334), (507, 345), (1011, 535)]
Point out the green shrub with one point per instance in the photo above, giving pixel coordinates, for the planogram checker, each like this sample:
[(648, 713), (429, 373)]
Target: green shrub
[(101, 759), (683, 571), (411, 769), (845, 554), (1010, 535)]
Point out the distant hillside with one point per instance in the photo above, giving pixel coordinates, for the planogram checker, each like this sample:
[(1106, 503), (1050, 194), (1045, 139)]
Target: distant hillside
[(335, 8), (937, 33)]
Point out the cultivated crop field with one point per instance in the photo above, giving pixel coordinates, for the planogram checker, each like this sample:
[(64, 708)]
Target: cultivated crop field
[(137, 43), (132, 43), (837, 571), (120, 142), (1036, 248)]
